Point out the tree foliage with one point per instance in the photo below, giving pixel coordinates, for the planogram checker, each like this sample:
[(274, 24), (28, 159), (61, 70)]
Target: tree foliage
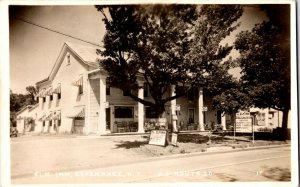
[(231, 100), (167, 45), (265, 60)]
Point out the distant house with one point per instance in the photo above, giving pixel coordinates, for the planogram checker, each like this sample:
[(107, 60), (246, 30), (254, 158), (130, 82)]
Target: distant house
[(75, 98), (262, 119), (267, 118), (26, 118)]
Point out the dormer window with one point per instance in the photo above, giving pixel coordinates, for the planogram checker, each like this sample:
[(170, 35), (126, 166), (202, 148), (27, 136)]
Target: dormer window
[(68, 59)]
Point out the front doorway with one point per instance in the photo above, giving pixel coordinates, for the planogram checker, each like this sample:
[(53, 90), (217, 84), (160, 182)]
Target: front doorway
[(191, 115), (78, 125)]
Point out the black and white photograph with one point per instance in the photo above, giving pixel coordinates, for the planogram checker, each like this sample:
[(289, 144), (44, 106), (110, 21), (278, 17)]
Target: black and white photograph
[(156, 93)]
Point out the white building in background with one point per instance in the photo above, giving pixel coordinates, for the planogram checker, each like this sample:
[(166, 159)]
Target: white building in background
[(269, 118), (75, 98), (262, 119), (26, 118)]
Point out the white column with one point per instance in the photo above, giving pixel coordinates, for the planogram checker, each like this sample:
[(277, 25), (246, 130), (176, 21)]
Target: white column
[(102, 111), (173, 109), (276, 119), (200, 110), (266, 111), (223, 121), (86, 87), (141, 108)]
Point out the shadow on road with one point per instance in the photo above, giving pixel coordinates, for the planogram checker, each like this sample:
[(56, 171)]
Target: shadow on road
[(197, 138), (130, 144), (278, 174)]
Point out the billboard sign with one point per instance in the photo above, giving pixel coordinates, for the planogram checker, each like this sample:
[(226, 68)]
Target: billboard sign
[(243, 125)]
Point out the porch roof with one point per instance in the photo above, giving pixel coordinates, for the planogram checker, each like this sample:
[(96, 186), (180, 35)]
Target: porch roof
[(77, 112)]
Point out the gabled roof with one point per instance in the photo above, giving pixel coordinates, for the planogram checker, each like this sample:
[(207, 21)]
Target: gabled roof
[(33, 107), (26, 107), (86, 53)]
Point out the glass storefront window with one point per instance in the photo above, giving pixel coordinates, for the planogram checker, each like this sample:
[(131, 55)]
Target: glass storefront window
[(150, 112), (124, 111)]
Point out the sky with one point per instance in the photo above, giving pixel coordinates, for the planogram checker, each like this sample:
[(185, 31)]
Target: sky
[(34, 50)]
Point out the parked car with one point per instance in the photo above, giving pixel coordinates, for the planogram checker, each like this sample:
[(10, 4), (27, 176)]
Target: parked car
[(13, 132)]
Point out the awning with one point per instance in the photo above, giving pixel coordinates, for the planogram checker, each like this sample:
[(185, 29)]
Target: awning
[(57, 90), (41, 94), (49, 91), (57, 116), (19, 118), (42, 118), (77, 112), (78, 82), (49, 117), (28, 119)]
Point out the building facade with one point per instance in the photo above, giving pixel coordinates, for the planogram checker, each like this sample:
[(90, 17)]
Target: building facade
[(75, 98)]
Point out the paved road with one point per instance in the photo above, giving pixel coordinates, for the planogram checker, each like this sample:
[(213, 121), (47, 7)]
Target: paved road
[(226, 167), (42, 153)]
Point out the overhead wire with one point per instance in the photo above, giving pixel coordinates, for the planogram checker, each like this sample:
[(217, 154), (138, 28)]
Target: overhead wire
[(52, 30)]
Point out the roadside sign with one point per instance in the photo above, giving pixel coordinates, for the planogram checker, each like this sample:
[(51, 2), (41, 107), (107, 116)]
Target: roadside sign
[(158, 137), (106, 104), (243, 125), (204, 109), (174, 139), (243, 114)]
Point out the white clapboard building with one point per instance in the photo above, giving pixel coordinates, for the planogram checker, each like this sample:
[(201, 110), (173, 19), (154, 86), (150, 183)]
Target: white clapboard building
[(75, 98)]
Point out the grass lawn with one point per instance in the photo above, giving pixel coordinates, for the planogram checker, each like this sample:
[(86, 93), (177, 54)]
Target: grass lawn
[(190, 143)]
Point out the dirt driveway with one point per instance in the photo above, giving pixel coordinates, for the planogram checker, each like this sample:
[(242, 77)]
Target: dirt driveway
[(30, 154)]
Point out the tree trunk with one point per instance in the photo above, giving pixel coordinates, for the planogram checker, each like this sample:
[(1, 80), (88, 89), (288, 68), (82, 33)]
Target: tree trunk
[(161, 113), (284, 124)]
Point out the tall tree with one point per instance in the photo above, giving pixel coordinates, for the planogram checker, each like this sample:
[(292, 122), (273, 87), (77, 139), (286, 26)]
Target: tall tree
[(166, 45), (265, 61), (231, 100), (32, 92)]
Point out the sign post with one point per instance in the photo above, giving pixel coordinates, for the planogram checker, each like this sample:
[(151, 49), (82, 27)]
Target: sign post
[(252, 118), (234, 129), (244, 123), (174, 139)]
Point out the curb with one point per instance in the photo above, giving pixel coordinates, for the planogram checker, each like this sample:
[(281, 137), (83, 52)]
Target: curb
[(224, 151), (185, 155)]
